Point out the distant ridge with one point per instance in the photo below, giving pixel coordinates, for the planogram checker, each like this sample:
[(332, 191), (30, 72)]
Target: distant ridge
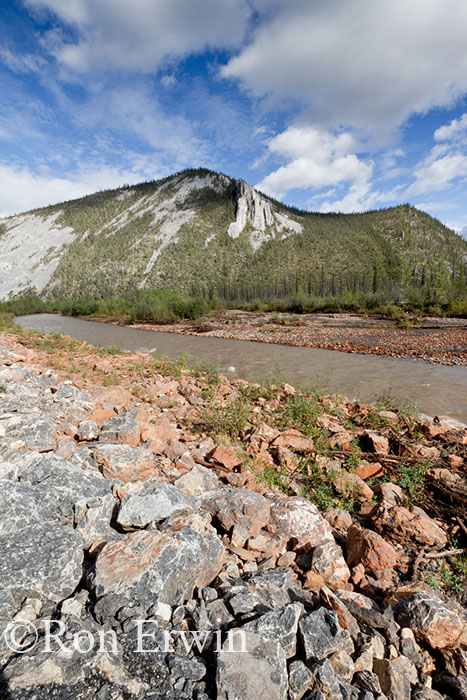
[(205, 234)]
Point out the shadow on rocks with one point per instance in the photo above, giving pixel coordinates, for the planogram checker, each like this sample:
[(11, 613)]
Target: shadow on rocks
[(4, 692)]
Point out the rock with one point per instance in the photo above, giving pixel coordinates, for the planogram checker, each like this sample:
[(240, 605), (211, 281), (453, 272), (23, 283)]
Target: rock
[(154, 504), (147, 566), (42, 560), (125, 462), (456, 687), (431, 619), (123, 428), (70, 393), (87, 430), (375, 442), (35, 432), (198, 480), (323, 680), (366, 470), (300, 679), (53, 488), (344, 618), (368, 548), (409, 526), (390, 493), (225, 456), (294, 440), (113, 395), (299, 522), (94, 520), (101, 415), (259, 673), (233, 506), (407, 668), (349, 484), (389, 417), (339, 519), (280, 625), (328, 561), (322, 635), (368, 681), (394, 684), (342, 664)]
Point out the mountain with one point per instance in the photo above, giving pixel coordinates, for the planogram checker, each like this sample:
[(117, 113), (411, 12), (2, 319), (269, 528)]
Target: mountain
[(206, 234)]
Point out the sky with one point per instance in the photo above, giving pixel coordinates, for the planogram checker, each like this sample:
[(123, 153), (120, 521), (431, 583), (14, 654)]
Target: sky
[(328, 105)]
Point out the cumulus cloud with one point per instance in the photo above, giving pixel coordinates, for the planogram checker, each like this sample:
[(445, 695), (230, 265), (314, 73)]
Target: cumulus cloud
[(362, 63), (317, 159), (141, 34), (22, 189), (457, 129), (446, 162)]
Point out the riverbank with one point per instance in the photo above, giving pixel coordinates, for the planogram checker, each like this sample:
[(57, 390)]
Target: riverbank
[(136, 490), (433, 339)]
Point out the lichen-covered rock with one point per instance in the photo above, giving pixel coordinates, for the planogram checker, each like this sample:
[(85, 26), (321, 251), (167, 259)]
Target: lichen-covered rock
[(260, 672), (43, 560), (154, 504)]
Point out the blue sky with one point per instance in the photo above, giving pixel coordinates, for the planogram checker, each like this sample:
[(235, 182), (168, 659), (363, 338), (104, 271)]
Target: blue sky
[(337, 105)]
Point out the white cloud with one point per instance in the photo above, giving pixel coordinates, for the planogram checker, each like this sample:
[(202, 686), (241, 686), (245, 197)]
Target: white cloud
[(24, 63), (446, 162), (316, 159), (457, 129), (22, 190), (141, 34), (438, 173), (362, 63)]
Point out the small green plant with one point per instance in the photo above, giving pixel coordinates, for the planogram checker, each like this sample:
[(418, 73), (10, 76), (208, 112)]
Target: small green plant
[(168, 367), (229, 418), (354, 457), (444, 578), (275, 477), (110, 350), (207, 371), (301, 413), (412, 479)]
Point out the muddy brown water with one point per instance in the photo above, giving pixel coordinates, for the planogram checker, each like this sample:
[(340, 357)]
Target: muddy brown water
[(435, 389)]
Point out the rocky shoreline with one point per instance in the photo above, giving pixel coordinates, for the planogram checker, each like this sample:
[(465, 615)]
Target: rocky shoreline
[(221, 539), (434, 340)]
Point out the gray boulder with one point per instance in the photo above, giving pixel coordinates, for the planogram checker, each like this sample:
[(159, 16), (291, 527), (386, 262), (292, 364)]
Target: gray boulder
[(280, 625), (149, 566), (260, 672), (322, 635), (154, 504), (42, 560)]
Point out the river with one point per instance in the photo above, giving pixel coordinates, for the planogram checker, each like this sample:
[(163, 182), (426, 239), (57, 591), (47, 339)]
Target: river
[(435, 389)]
